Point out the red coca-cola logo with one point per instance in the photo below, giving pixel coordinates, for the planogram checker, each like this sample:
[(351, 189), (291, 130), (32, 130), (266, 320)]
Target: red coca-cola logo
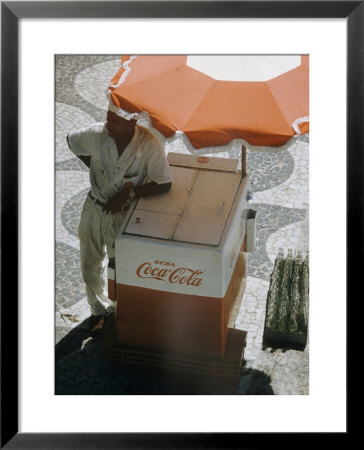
[(203, 159), (179, 275)]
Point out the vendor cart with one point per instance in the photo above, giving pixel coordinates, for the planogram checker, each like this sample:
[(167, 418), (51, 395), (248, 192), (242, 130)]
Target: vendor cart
[(179, 272)]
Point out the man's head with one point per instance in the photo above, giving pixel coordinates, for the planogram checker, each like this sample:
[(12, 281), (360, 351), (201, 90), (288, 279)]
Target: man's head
[(118, 126)]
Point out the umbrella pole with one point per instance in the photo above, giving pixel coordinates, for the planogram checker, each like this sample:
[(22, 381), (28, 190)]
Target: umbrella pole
[(243, 160)]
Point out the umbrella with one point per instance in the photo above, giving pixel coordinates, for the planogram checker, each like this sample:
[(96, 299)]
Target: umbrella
[(265, 105)]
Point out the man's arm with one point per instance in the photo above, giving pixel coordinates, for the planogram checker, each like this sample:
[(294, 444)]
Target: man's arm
[(152, 188), (85, 159)]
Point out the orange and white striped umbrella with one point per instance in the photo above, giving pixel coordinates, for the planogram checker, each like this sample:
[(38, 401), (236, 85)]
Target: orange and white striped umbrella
[(215, 99)]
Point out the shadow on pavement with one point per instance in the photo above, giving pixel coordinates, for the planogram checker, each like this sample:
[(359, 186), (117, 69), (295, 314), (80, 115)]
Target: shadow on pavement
[(254, 382), (276, 347), (77, 337), (82, 369)]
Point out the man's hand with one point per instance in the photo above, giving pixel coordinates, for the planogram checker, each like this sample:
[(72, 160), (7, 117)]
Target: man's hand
[(115, 203)]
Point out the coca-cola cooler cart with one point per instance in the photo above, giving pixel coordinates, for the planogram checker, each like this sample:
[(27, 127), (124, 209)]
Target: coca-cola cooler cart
[(179, 273)]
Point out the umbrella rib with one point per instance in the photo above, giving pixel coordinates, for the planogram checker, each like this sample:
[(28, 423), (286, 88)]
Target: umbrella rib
[(279, 108), (199, 103)]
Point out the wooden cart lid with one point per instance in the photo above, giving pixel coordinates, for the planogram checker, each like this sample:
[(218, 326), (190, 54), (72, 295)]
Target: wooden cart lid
[(197, 207)]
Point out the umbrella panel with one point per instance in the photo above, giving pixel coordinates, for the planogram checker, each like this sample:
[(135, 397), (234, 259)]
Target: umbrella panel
[(231, 110), (292, 101), (170, 97)]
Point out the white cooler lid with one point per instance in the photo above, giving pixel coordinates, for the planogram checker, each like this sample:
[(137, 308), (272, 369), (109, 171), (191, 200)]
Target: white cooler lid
[(197, 207)]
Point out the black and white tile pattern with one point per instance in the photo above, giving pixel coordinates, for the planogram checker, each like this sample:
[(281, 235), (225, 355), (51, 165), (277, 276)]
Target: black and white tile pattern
[(279, 184)]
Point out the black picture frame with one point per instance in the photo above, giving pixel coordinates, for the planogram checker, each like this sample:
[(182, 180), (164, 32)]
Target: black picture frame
[(11, 12)]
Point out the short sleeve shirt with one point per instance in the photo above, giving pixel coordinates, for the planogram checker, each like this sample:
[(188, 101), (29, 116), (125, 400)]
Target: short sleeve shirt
[(143, 159)]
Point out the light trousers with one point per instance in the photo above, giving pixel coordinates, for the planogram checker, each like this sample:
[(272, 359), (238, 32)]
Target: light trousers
[(97, 233)]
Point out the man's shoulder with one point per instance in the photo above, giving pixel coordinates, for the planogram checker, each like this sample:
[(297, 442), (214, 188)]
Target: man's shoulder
[(147, 137), (97, 128)]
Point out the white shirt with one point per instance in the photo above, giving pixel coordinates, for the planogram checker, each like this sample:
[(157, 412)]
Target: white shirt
[(143, 158)]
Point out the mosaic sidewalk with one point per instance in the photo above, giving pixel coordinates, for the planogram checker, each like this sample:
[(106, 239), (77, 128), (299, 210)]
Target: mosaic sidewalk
[(279, 184)]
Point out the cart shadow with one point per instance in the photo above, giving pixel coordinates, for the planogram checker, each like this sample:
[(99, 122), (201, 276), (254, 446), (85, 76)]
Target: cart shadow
[(81, 368)]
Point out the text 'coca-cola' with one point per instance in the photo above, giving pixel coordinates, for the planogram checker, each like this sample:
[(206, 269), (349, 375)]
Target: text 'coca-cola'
[(180, 275)]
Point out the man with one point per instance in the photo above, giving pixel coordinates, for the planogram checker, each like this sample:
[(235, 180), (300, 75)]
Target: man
[(121, 156)]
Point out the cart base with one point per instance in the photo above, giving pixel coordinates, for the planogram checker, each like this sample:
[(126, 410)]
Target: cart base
[(222, 372)]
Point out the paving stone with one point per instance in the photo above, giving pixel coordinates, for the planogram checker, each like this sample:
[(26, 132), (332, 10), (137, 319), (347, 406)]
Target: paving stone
[(71, 212)]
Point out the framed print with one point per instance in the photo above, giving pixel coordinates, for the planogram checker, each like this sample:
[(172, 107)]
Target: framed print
[(29, 127)]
